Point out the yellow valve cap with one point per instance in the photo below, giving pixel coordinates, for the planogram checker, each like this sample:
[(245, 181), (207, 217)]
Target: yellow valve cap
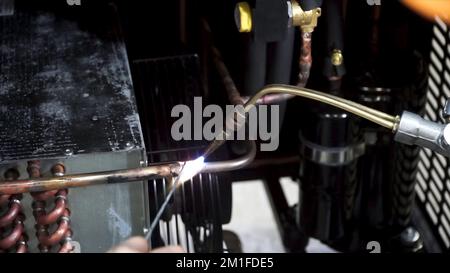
[(243, 17)]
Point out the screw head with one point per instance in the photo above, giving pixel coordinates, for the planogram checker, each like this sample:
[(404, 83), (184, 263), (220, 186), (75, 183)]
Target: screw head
[(129, 146)]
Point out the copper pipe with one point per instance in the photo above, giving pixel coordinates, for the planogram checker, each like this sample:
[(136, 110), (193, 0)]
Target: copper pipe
[(34, 168), (40, 198), (58, 170), (234, 164), (305, 61), (61, 201), (66, 245), (89, 179), (66, 242), (233, 93), (43, 218), (14, 209), (44, 195), (34, 171), (37, 186), (52, 239), (61, 198), (234, 96), (59, 214), (13, 237), (4, 199), (22, 245), (13, 218)]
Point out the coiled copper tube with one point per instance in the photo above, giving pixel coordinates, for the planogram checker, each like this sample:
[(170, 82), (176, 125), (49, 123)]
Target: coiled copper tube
[(44, 195), (13, 237), (66, 245), (48, 240), (58, 215), (14, 210), (12, 231), (4, 199), (43, 218), (22, 246)]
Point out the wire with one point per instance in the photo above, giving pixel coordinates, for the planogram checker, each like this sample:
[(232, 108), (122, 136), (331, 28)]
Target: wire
[(164, 205)]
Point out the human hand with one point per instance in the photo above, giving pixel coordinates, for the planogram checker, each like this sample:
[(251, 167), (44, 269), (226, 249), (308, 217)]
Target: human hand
[(139, 245)]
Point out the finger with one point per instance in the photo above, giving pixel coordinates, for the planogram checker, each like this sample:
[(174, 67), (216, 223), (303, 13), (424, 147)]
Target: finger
[(139, 244), (122, 249), (168, 249), (132, 245)]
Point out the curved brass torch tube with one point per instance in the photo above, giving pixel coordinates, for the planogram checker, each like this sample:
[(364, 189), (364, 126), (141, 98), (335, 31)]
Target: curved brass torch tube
[(373, 115), (378, 117)]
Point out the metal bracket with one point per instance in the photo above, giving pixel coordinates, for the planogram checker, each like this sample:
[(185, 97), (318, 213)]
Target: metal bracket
[(331, 156)]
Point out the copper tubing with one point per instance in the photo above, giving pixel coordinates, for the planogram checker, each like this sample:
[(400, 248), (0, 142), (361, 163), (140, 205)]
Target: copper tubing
[(89, 179), (66, 245), (58, 215), (66, 242), (34, 171), (60, 202), (43, 196), (234, 164), (21, 246), (37, 186), (233, 94), (52, 239), (305, 61), (13, 237), (12, 219), (13, 212), (40, 198), (4, 199), (43, 218)]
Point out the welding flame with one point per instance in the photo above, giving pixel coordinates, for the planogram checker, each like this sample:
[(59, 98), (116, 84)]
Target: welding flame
[(191, 169)]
